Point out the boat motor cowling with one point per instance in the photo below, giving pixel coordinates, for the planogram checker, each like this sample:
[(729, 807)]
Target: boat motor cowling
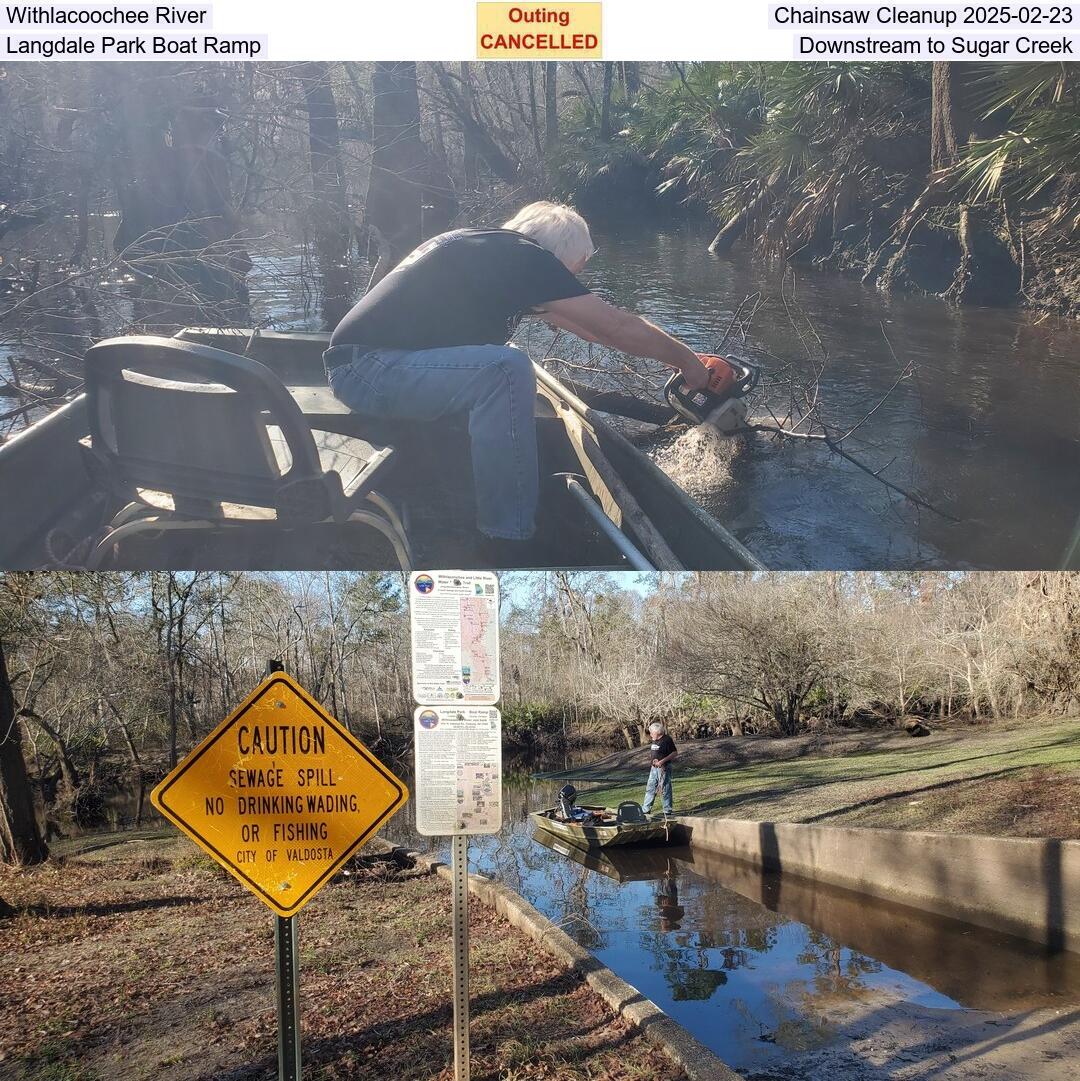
[(567, 796)]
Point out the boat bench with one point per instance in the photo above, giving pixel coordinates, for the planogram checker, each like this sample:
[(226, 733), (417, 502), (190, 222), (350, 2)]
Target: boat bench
[(196, 438)]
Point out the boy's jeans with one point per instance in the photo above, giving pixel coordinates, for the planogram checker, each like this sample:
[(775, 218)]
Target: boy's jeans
[(494, 384), (659, 777)]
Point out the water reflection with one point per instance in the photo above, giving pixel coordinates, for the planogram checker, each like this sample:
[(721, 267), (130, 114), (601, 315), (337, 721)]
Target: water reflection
[(761, 968)]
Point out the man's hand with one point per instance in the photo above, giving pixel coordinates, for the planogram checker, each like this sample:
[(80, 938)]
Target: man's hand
[(696, 375)]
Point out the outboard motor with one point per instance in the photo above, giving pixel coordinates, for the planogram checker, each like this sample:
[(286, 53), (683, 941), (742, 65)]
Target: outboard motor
[(567, 796), (729, 381)]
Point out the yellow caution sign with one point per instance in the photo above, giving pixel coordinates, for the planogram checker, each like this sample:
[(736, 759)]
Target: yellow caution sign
[(280, 794)]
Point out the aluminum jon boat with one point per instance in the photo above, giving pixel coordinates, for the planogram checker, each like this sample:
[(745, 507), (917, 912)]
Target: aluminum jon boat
[(622, 863), (603, 504), (604, 829)]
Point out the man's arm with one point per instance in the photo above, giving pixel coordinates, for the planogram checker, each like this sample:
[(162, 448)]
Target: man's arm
[(595, 320)]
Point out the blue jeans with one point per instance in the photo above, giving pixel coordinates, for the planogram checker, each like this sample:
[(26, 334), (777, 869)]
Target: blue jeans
[(494, 384), (659, 777)]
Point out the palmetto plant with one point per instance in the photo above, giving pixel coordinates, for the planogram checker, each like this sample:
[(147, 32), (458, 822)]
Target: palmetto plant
[(808, 137), (1035, 159)]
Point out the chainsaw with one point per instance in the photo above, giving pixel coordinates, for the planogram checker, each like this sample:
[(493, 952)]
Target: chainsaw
[(730, 381)]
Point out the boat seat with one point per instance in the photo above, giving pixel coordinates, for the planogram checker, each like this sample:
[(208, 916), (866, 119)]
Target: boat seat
[(194, 437), (628, 811)]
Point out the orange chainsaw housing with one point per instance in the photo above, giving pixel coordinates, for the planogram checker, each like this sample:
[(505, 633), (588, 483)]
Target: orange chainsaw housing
[(722, 375)]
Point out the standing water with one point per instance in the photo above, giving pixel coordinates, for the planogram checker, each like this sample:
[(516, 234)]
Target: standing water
[(988, 428)]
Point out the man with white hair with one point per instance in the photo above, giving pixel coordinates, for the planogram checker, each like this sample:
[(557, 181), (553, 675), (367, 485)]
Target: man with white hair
[(663, 751), (430, 340)]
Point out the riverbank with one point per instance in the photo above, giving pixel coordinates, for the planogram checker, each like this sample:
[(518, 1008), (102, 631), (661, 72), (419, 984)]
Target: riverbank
[(102, 981), (1020, 779)]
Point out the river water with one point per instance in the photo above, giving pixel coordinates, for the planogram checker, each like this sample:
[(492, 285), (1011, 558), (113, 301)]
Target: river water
[(988, 428), (768, 971)]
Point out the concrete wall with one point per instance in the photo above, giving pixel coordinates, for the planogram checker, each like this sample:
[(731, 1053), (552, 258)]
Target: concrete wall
[(1029, 888)]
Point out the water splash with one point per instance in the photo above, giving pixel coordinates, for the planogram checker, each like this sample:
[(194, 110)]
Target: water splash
[(700, 460)]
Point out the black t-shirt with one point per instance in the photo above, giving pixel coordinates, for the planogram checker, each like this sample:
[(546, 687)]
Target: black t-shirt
[(661, 748), (466, 287)]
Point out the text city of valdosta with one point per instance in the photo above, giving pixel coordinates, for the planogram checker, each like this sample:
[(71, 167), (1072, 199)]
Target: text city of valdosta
[(119, 32), (956, 31)]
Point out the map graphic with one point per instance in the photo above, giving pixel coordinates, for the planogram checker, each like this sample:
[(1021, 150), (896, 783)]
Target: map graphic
[(478, 641)]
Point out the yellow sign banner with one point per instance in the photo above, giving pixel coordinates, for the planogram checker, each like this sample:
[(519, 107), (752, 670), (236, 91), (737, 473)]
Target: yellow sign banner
[(280, 794), (539, 31)]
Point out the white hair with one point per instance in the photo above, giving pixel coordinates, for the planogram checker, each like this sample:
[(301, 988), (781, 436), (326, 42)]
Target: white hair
[(656, 726), (560, 229)]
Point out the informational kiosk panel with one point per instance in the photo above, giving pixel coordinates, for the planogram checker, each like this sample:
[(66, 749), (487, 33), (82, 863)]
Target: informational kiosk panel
[(458, 770), (280, 794), (455, 637)]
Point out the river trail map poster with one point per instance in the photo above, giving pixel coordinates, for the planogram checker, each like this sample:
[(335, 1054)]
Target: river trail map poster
[(455, 637), (458, 770)]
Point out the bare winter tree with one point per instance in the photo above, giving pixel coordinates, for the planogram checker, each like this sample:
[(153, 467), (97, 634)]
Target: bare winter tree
[(20, 838)]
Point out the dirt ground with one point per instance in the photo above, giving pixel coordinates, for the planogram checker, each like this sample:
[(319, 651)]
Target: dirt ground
[(144, 960)]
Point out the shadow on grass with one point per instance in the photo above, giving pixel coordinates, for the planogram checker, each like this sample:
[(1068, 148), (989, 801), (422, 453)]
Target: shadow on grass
[(114, 909), (420, 1045), (784, 789), (782, 768), (875, 801)]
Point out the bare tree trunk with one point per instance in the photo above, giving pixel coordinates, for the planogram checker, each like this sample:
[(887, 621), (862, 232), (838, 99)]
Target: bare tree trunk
[(330, 212), (534, 112), (21, 842), (736, 225), (950, 120), (474, 130), (470, 153), (551, 105), (173, 180), (69, 774), (395, 204), (125, 731), (605, 101)]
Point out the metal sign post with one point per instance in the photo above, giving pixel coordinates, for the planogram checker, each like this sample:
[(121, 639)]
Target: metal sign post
[(457, 739), (287, 968), (286, 956), (459, 866)]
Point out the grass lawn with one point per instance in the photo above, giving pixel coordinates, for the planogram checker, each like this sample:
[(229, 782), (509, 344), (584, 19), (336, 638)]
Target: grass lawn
[(144, 960), (1015, 781)]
